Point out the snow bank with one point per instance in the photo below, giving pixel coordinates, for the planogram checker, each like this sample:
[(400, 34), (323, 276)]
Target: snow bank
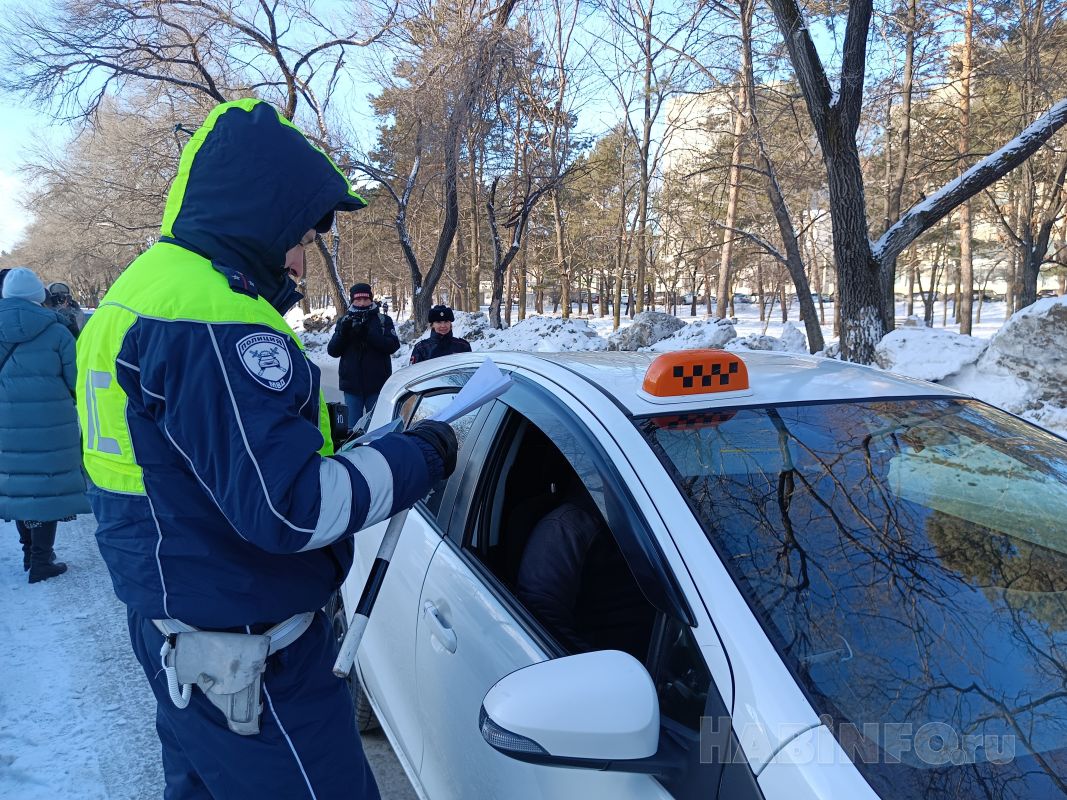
[(543, 335), (700, 333), (1024, 370), (314, 330), (930, 354), (533, 334), (1032, 345), (647, 328), (469, 325), (791, 341)]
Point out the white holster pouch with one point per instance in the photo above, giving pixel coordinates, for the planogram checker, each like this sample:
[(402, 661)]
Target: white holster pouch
[(228, 667)]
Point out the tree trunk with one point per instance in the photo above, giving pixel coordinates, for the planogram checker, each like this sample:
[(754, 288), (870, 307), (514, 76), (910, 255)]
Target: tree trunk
[(912, 267), (509, 292), (645, 153), (733, 190), (523, 282), (422, 300), (616, 310), (459, 302), (794, 262), (896, 192), (860, 298), (620, 236), (561, 255), (329, 260), (474, 281), (966, 282)]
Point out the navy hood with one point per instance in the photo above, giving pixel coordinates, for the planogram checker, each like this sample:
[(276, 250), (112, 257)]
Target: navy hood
[(249, 186)]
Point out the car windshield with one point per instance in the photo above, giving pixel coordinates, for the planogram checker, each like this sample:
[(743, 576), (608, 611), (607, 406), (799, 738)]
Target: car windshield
[(908, 559)]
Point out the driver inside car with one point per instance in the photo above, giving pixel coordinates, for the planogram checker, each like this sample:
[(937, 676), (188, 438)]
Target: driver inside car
[(574, 580)]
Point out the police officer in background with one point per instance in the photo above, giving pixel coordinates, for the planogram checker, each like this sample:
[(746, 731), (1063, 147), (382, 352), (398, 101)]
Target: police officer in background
[(363, 339), (441, 342), (224, 518)]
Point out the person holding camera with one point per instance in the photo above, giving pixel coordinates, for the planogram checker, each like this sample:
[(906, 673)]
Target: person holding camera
[(60, 300), (363, 339)]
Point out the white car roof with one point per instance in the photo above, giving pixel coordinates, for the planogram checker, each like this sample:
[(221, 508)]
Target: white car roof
[(774, 378)]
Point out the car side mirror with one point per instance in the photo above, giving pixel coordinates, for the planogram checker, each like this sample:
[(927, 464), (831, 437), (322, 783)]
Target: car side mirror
[(594, 710)]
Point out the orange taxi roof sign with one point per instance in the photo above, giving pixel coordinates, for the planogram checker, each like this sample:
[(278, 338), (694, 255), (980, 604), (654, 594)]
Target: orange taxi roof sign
[(688, 372)]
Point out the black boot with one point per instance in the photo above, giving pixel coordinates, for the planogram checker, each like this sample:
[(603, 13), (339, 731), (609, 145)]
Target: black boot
[(42, 563), (25, 537), (24, 540)]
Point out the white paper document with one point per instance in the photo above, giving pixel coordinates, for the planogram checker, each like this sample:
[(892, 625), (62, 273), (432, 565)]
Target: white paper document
[(486, 384)]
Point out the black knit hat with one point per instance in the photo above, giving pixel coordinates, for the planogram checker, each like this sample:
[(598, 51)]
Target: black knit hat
[(360, 288), (441, 314)]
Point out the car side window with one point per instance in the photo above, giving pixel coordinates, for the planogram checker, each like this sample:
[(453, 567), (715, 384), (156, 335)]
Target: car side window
[(425, 406), (535, 526), (695, 722)]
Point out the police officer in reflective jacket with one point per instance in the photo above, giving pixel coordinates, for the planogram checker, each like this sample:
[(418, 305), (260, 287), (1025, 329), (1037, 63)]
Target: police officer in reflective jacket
[(441, 342), (224, 517)]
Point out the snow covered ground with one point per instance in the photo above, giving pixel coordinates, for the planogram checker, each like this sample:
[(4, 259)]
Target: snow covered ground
[(77, 719), (78, 716)]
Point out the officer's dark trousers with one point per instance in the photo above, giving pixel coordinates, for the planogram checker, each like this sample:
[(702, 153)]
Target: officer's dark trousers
[(307, 747)]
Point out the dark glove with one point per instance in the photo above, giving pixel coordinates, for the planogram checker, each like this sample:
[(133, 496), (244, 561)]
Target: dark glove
[(441, 437)]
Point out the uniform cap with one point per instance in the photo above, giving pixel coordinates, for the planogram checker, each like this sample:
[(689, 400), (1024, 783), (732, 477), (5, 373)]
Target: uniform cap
[(441, 314)]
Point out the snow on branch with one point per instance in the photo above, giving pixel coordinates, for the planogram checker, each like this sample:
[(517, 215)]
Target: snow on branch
[(990, 169)]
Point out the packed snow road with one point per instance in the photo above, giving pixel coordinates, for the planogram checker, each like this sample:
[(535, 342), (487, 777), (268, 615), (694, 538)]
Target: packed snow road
[(77, 719)]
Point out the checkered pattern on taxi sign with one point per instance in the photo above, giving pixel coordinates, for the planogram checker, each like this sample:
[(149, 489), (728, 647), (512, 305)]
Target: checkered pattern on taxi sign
[(691, 372), (696, 375)]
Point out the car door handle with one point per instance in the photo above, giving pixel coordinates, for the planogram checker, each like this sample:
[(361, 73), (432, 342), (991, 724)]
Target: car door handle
[(439, 629)]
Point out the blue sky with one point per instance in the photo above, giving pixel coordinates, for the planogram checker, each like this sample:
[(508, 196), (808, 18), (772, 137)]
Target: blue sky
[(22, 127)]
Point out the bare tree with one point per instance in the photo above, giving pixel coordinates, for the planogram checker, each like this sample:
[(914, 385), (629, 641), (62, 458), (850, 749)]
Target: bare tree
[(647, 71), (97, 203), (835, 114), (74, 54), (517, 223), (443, 88), (792, 260)]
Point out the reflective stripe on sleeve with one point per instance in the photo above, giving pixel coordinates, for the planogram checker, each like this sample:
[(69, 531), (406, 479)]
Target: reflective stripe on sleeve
[(335, 505), (375, 470), (339, 512)]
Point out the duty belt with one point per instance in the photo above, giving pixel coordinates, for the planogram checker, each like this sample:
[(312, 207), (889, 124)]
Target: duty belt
[(228, 667)]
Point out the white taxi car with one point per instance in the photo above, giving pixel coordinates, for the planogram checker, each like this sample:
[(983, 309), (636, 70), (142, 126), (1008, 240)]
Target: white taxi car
[(698, 575)]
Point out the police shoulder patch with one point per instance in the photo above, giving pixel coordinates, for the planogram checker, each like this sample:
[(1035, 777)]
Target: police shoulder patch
[(266, 357)]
